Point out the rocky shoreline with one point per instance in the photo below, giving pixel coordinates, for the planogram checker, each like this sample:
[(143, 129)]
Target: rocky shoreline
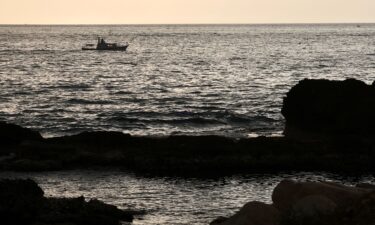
[(329, 127), (183, 155), (309, 203), (339, 115), (23, 202)]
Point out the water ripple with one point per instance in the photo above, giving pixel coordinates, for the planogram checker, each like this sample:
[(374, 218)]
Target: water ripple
[(228, 79)]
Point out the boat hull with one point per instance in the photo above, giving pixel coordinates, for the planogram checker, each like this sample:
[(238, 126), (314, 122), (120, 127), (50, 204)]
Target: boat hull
[(118, 48)]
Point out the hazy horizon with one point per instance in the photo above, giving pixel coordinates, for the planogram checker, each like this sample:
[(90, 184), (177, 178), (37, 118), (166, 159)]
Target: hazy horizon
[(129, 12), (187, 24)]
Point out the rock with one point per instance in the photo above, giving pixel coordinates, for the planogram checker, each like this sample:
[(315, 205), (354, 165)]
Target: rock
[(14, 134), (362, 212), (219, 220), (288, 192), (320, 108), (34, 165), (253, 213), (16, 188), (311, 210), (7, 157), (22, 202), (309, 203), (366, 186), (101, 208), (188, 155), (95, 138), (313, 205), (78, 211), (365, 210)]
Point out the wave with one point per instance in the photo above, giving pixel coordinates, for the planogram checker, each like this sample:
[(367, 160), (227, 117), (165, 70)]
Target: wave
[(237, 58), (27, 50), (36, 51), (72, 86), (181, 121), (127, 63), (188, 118), (89, 102)]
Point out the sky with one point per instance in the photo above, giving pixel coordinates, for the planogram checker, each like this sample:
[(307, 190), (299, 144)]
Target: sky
[(185, 11)]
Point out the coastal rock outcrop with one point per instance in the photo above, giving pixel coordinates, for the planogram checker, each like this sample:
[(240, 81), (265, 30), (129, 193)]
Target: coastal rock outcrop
[(310, 203), (324, 108), (11, 134), (186, 155), (253, 213), (22, 202), (313, 209), (288, 192)]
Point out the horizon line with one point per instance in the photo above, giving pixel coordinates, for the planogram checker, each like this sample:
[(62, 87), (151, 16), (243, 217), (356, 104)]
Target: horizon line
[(166, 24)]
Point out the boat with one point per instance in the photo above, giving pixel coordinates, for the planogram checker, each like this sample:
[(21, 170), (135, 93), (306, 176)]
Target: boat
[(104, 46)]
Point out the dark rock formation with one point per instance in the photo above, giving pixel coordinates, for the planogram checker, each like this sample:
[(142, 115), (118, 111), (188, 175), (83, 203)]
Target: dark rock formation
[(187, 155), (366, 186), (22, 202), (96, 138), (253, 213), (288, 192), (361, 212), (309, 203), (315, 209), (322, 108), (11, 134)]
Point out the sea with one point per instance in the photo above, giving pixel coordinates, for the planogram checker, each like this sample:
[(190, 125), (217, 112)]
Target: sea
[(227, 80)]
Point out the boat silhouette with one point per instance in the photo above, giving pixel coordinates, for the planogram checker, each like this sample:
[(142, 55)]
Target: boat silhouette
[(102, 45)]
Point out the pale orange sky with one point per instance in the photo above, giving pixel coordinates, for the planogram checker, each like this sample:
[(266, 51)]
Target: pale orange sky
[(185, 11)]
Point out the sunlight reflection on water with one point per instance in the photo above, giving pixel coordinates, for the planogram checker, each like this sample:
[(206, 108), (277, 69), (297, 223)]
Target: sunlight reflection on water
[(227, 80)]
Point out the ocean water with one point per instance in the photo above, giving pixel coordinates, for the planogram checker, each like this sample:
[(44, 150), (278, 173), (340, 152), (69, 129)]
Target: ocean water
[(172, 201), (174, 79)]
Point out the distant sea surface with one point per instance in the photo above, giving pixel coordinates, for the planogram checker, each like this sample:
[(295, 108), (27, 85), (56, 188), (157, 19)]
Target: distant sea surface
[(174, 79)]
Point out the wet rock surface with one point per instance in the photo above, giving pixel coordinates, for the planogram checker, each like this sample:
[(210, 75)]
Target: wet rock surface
[(22, 202), (309, 203)]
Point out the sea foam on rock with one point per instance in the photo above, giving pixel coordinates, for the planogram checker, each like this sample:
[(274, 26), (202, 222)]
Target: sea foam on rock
[(309, 203), (324, 108)]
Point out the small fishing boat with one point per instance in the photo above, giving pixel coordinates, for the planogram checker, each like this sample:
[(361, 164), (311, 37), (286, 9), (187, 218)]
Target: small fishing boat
[(104, 46)]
